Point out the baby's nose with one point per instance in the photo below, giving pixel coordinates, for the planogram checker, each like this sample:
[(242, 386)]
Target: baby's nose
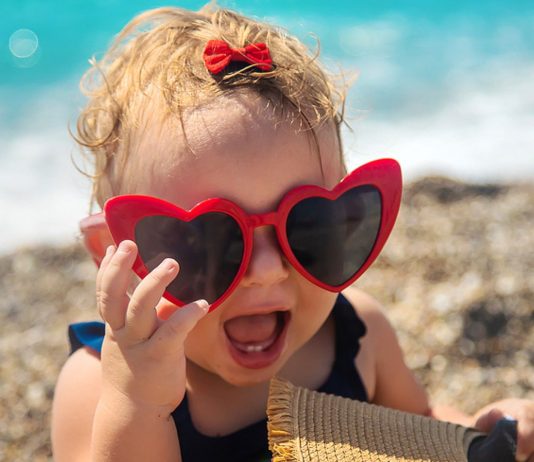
[(267, 265)]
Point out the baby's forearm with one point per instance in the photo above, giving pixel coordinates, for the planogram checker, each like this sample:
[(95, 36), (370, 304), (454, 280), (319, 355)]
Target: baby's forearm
[(125, 431)]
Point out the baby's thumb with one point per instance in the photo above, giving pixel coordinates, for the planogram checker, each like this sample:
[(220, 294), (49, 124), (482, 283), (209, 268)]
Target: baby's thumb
[(182, 321), (488, 419)]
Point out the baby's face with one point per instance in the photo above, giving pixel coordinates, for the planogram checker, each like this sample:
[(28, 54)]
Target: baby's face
[(238, 150)]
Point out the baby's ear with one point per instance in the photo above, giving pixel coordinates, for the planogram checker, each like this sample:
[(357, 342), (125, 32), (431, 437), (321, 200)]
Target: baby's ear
[(96, 236)]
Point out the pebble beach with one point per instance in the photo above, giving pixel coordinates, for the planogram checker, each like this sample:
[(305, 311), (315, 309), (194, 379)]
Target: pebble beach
[(456, 280)]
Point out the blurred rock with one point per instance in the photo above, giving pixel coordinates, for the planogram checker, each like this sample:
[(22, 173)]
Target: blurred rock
[(43, 289)]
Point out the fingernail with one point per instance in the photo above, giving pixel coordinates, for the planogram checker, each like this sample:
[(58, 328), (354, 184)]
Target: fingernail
[(110, 250), (203, 304), (168, 264), (123, 247)]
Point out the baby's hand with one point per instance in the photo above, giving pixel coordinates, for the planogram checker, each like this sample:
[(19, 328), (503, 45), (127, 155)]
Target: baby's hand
[(142, 356), (521, 410)]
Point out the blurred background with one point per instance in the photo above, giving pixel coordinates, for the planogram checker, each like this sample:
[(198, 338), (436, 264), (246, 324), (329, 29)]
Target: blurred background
[(445, 87)]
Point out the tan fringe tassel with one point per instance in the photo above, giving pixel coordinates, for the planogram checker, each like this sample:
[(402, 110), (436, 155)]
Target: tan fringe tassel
[(280, 422)]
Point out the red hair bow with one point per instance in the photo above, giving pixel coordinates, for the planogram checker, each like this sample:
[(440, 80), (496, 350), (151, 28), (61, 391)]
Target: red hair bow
[(218, 54)]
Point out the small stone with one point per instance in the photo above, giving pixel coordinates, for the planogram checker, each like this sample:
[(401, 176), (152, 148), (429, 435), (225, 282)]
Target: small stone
[(438, 363), (35, 395)]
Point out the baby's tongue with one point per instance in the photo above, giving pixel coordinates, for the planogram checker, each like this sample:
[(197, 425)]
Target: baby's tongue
[(251, 329)]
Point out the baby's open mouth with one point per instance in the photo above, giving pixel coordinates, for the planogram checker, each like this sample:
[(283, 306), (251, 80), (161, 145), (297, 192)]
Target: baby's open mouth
[(257, 340)]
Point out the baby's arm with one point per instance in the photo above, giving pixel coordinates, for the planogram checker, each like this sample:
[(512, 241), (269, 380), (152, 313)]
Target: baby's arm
[(75, 399), (140, 379)]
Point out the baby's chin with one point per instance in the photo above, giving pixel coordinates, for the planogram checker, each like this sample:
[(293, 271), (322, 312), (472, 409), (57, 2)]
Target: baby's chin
[(241, 377), (251, 379)]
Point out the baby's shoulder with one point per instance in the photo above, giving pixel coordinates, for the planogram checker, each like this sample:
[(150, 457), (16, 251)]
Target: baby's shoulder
[(369, 310), (380, 338), (75, 399), (388, 379), (372, 315), (81, 373), (81, 368)]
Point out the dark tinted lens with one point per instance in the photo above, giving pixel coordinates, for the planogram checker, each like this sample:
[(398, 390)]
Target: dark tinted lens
[(332, 239), (209, 250)]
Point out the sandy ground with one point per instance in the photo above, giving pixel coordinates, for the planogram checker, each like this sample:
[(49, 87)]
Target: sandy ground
[(456, 279)]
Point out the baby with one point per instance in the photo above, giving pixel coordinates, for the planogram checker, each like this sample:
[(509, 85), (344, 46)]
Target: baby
[(217, 154)]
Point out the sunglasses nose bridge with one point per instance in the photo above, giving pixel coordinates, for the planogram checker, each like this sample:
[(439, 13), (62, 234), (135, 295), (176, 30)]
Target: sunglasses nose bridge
[(264, 219)]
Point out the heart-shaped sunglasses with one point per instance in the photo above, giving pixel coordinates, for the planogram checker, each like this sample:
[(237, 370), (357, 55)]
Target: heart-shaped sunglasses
[(329, 236)]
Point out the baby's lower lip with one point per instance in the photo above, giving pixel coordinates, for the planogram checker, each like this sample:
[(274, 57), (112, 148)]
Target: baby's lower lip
[(263, 354)]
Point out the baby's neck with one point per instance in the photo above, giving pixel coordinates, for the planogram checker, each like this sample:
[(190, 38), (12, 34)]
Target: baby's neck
[(219, 408)]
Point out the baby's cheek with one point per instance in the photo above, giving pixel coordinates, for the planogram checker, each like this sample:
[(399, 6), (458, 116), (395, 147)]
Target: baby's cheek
[(315, 307), (202, 340), (165, 309)]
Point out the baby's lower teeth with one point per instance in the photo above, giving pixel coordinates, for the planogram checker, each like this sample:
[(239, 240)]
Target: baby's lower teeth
[(257, 347), (253, 348)]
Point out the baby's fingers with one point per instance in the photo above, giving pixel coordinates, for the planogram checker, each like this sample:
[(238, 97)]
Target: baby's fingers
[(112, 283), (141, 317), (110, 251), (175, 329), (522, 411)]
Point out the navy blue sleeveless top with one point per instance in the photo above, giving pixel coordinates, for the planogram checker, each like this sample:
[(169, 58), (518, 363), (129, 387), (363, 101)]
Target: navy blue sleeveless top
[(250, 443)]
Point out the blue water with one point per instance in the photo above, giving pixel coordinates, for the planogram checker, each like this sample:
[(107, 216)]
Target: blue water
[(442, 86)]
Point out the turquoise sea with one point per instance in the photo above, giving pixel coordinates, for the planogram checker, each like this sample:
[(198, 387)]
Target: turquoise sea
[(443, 86)]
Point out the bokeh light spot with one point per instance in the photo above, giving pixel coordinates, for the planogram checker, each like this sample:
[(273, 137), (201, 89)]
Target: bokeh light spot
[(23, 43)]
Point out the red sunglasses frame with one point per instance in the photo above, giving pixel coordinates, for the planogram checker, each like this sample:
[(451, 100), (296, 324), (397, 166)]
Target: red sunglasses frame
[(122, 213)]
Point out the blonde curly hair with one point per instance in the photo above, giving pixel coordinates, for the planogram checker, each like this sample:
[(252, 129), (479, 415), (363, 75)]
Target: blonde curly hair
[(159, 53)]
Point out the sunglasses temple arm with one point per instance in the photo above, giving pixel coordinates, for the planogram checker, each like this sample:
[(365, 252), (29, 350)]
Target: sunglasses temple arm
[(96, 236)]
